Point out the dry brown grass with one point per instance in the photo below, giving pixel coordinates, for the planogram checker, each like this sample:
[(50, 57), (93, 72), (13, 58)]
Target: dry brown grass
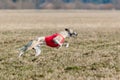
[(93, 55)]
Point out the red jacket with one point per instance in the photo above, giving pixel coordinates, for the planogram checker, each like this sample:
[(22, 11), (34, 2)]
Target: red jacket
[(49, 40)]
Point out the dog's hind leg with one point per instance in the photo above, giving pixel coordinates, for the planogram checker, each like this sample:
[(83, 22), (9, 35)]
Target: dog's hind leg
[(25, 48), (37, 47), (33, 44), (21, 53), (37, 50)]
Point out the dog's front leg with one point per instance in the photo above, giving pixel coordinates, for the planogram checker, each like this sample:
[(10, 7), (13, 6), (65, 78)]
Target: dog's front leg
[(57, 42)]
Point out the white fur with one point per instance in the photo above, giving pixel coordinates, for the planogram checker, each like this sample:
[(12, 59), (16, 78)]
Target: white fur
[(36, 44)]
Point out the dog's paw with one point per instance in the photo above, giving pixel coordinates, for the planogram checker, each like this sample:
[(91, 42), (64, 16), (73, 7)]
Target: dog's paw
[(67, 45), (21, 53)]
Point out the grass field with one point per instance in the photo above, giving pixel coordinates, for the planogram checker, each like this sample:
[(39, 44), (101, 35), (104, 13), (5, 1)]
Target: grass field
[(93, 55)]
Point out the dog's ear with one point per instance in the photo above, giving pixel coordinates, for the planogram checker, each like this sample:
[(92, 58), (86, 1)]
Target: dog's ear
[(66, 29)]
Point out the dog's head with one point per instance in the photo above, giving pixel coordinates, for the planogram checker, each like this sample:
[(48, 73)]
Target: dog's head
[(71, 32)]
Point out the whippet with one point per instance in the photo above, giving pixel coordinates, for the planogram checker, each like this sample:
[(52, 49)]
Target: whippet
[(56, 41)]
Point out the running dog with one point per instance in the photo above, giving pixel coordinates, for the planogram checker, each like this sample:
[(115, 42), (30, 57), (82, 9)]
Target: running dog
[(55, 41)]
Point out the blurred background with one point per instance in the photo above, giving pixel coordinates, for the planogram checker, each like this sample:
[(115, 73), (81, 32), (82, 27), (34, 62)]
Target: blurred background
[(60, 4)]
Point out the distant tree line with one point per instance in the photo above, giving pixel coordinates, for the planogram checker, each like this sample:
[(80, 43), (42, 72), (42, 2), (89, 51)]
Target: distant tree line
[(60, 4)]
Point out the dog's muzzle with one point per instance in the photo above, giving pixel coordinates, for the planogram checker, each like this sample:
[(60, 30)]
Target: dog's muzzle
[(75, 34)]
